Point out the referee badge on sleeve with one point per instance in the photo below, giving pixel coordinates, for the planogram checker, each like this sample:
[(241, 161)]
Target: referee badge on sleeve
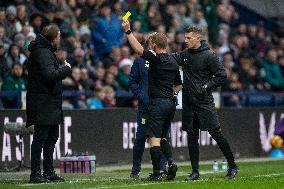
[(143, 121)]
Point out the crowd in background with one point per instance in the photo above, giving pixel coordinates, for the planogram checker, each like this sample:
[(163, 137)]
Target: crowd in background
[(93, 42)]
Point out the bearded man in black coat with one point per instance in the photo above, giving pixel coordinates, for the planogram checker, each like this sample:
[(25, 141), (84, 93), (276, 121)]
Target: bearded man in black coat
[(44, 101)]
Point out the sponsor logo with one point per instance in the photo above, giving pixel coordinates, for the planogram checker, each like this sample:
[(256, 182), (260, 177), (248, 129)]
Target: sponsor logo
[(267, 129), (11, 143), (177, 135)]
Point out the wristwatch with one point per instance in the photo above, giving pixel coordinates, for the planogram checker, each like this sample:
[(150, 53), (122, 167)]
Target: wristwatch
[(128, 32)]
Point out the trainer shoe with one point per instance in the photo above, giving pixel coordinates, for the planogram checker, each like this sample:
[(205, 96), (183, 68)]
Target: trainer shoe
[(172, 171), (37, 178), (192, 177), (135, 175), (157, 177), (232, 173), (53, 177)]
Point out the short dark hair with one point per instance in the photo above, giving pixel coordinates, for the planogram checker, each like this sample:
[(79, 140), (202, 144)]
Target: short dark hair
[(194, 30), (159, 39), (50, 32), (34, 16)]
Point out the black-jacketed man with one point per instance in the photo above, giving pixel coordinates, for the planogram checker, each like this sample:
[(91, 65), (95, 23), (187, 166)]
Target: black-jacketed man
[(44, 101), (202, 73), (163, 74)]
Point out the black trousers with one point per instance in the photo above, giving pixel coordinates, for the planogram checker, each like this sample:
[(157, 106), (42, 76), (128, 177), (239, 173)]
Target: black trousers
[(45, 138), (161, 112), (216, 134)]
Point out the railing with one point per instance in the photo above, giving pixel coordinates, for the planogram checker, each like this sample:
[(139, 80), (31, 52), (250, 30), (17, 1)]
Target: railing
[(245, 98), (254, 99)]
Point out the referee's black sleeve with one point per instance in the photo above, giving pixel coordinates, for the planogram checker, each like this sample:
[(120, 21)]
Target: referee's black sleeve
[(178, 58), (149, 55), (178, 80)]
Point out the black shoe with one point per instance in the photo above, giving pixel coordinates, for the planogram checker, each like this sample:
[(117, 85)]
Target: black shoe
[(53, 177), (37, 178), (157, 177), (232, 173), (172, 171), (135, 175), (193, 176)]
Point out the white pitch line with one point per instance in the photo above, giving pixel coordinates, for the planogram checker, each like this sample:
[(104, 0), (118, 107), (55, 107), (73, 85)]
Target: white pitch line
[(100, 179), (155, 183), (147, 184)]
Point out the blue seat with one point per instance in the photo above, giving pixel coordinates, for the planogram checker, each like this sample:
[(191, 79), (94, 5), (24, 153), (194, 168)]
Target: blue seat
[(260, 100), (279, 100)]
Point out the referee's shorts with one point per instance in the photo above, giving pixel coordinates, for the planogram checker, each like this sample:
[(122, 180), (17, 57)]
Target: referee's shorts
[(161, 112)]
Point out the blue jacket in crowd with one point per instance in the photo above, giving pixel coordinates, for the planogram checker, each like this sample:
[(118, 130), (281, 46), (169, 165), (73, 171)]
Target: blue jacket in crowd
[(107, 34), (138, 83)]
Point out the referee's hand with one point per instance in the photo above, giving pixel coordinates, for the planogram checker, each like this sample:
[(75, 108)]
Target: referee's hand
[(125, 25)]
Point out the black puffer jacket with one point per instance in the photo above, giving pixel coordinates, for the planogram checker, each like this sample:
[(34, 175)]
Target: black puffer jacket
[(201, 67), (44, 88)]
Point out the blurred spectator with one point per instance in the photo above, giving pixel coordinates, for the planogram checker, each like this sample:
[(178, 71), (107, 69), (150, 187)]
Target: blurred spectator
[(224, 43), (183, 17), (69, 43), (198, 21), (48, 15), (4, 68), (252, 34), (228, 60), (123, 74), (107, 32), (85, 34), (232, 84), (138, 11), (97, 101), (249, 75), (86, 82), (179, 41), (20, 41), (261, 44), (109, 99), (22, 14), (60, 21), (73, 82), (10, 22), (2, 15), (209, 10), (124, 52), (5, 40), (13, 55), (99, 76), (110, 80), (113, 68), (113, 58), (36, 22), (78, 58), (167, 12), (13, 82), (272, 70)]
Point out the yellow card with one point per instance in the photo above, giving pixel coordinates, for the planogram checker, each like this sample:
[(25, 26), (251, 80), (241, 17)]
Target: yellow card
[(126, 16)]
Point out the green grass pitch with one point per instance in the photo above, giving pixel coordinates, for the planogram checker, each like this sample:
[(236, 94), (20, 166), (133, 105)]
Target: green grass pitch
[(256, 174)]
